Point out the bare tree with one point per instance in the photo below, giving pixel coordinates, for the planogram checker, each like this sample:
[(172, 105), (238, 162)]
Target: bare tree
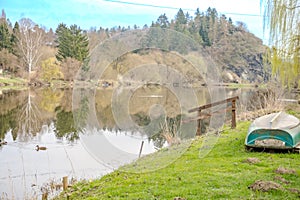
[(30, 43)]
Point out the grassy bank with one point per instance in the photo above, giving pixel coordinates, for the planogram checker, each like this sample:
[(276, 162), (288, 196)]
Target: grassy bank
[(225, 173), (12, 83)]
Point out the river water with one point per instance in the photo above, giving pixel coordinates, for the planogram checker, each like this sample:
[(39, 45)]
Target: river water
[(80, 143)]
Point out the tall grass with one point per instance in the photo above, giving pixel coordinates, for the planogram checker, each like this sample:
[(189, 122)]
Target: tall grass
[(262, 102)]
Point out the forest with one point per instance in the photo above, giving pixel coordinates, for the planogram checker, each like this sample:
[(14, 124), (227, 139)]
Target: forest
[(43, 55)]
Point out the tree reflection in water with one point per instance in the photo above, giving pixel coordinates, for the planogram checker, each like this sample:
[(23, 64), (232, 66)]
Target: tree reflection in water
[(29, 118), (65, 126), (24, 113)]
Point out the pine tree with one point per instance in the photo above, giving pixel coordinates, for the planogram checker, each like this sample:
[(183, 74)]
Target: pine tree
[(71, 43), (14, 39), (204, 35), (180, 21), (162, 21), (5, 36)]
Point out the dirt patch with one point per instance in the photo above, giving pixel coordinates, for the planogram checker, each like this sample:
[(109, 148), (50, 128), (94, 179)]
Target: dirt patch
[(281, 179), (265, 186), (282, 170), (252, 160)]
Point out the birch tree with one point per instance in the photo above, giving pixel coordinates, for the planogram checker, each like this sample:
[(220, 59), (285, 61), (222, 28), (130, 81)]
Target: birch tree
[(29, 118), (30, 42)]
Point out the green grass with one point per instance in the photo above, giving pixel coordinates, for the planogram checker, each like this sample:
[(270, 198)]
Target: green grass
[(221, 174)]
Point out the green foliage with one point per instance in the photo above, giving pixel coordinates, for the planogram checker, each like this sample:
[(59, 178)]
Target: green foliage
[(206, 28), (50, 99), (180, 21), (51, 70), (71, 43), (65, 126), (8, 47), (162, 21), (283, 20), (14, 39), (7, 121), (81, 114), (5, 37)]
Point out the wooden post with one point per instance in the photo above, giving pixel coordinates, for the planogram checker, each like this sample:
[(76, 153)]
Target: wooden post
[(65, 183), (201, 116), (233, 116), (141, 149), (45, 196), (199, 123)]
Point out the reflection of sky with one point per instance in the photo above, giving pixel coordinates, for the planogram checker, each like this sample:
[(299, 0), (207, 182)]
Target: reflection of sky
[(21, 165), (115, 148), (130, 142), (110, 13)]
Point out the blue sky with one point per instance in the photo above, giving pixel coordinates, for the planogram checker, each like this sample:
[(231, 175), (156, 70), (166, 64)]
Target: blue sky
[(110, 13)]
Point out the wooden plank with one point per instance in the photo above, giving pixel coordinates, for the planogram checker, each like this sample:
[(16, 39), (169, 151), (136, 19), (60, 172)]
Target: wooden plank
[(213, 104), (207, 115)]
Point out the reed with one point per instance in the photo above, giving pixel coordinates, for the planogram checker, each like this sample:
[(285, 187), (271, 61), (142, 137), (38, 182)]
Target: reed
[(262, 103), (169, 130)]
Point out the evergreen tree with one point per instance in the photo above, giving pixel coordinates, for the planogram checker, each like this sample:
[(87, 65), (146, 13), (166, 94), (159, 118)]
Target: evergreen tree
[(180, 21), (162, 21), (14, 39), (71, 42), (181, 17), (204, 35), (5, 36)]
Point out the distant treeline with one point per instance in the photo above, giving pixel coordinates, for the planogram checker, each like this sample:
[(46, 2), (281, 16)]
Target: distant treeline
[(31, 51)]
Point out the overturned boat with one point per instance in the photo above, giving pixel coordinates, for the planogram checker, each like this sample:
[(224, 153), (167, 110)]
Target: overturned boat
[(274, 131)]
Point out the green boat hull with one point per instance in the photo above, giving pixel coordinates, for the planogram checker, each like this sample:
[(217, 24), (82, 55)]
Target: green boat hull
[(285, 137)]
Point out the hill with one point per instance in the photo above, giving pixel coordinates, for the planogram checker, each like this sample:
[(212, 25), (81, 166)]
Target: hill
[(236, 52)]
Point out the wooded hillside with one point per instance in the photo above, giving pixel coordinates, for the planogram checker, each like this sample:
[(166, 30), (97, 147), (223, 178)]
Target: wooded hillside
[(236, 51)]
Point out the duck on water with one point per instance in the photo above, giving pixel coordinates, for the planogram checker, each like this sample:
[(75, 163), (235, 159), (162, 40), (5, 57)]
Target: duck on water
[(38, 148), (2, 142)]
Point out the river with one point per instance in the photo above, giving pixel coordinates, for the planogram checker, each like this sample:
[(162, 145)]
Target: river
[(84, 139)]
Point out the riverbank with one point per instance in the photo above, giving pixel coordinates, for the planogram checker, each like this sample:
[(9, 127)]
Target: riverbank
[(12, 83), (227, 172), (16, 82)]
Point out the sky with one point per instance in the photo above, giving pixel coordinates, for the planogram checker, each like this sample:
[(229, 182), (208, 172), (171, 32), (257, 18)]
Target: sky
[(111, 13)]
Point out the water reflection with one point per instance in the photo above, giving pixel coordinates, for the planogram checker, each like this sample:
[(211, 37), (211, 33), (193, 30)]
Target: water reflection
[(23, 113), (45, 117)]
